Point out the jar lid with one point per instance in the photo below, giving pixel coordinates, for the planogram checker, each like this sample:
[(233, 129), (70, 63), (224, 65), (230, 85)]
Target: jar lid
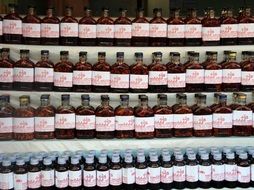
[(74, 160), (128, 158), (124, 97), (20, 162), (89, 159), (176, 54), (102, 54), (65, 97), (103, 159), (120, 54), (139, 55), (61, 160), (104, 97)]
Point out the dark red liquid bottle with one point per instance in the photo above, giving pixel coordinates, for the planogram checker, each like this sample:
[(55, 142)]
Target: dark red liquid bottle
[(243, 171), (6, 70), (1, 29), (247, 81)]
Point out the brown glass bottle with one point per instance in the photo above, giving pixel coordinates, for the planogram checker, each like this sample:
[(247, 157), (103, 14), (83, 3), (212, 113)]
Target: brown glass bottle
[(166, 172), (12, 26), (211, 29), (20, 174), (50, 29), (231, 80), (69, 29), (183, 118), (1, 30), (225, 57), (105, 119), (176, 28), (115, 172), (45, 119), (85, 119), (34, 174), (101, 74), (24, 72), (31, 27), (205, 171), (102, 173), (89, 173), (128, 172), (141, 172), (75, 174), (195, 105), (235, 100), (154, 171), (140, 29), (7, 171), (61, 174), (6, 70), (202, 119), (230, 171), (144, 119), (44, 73), (105, 29), (244, 57), (65, 119), (215, 104), (191, 171), (120, 74), (82, 74), (23, 122), (179, 172), (193, 29), (247, 81), (63, 73), (124, 118), (243, 171), (158, 29)]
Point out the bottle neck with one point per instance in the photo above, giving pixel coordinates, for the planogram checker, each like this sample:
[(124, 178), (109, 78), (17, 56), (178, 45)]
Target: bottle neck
[(101, 59), (176, 14), (44, 57), (251, 58), (12, 10), (88, 13), (68, 12), (3, 103), (211, 14), (144, 103), (64, 57), (194, 59), (65, 102), (193, 14), (157, 59), (82, 59), (105, 103), (201, 103), (140, 14), (24, 104), (125, 103), (163, 102), (242, 101), (183, 101), (231, 59), (31, 11), (158, 14), (105, 14), (175, 60), (85, 103), (49, 12), (5, 55), (223, 102), (123, 14), (24, 56), (139, 60), (44, 102), (120, 60)]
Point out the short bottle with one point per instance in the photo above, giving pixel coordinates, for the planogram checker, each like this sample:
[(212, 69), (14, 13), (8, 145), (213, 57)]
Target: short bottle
[(102, 173), (115, 173), (154, 172), (34, 174), (218, 175), (129, 172), (243, 171), (191, 171), (20, 174), (230, 171), (247, 82), (75, 174), (141, 172), (179, 172), (47, 174), (6, 174), (205, 171), (6, 70), (166, 172), (89, 173), (61, 174)]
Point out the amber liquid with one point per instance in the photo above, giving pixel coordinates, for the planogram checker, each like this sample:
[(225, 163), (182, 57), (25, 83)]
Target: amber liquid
[(242, 130), (122, 41), (248, 66), (87, 41), (6, 112), (69, 41), (228, 41), (190, 87), (6, 63), (105, 41), (176, 68), (175, 41), (140, 40), (211, 22), (249, 40), (212, 65), (193, 41), (101, 66), (1, 36), (158, 41), (157, 66)]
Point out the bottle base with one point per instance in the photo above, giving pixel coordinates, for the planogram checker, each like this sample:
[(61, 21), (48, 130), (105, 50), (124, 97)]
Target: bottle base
[(41, 86), (176, 90), (23, 136), (163, 133), (242, 130), (183, 132), (203, 133), (218, 184), (44, 135), (144, 135), (85, 134), (123, 42), (222, 132), (158, 41), (138, 90), (23, 86), (204, 185), (6, 86), (228, 41), (140, 41), (175, 42), (105, 135), (50, 41), (179, 185), (191, 185), (249, 88), (12, 38), (232, 87), (245, 41), (69, 41), (87, 42), (101, 88), (211, 43), (193, 42), (105, 42), (124, 134), (65, 133), (31, 41), (119, 90), (158, 88), (194, 87), (62, 89), (82, 88)]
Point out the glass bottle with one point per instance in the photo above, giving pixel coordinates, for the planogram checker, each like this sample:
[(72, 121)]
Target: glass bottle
[(228, 29), (205, 171), (6, 70), (105, 119), (123, 29), (119, 74), (235, 101), (75, 173), (140, 29), (189, 58), (23, 121), (85, 119), (202, 119), (89, 173), (195, 105), (194, 74), (101, 74), (183, 118), (69, 29), (191, 171), (176, 28), (82, 74), (242, 118), (247, 80), (87, 29), (215, 104), (44, 73), (157, 74), (166, 172), (211, 29), (141, 172), (34, 174), (163, 118), (218, 175), (138, 75), (105, 29), (1, 29), (50, 30), (63, 73), (245, 28), (23, 72), (31, 27), (45, 119), (124, 118), (158, 29), (225, 57), (65, 119), (243, 171), (244, 58), (129, 172), (179, 170), (102, 173), (193, 29), (20, 174), (154, 168), (61, 174), (213, 73), (115, 172), (231, 72), (47, 174), (230, 171), (6, 173), (12, 26)]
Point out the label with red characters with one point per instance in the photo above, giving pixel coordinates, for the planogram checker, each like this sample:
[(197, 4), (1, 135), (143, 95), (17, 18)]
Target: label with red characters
[(23, 74), (141, 176), (44, 124), (124, 123), (89, 178), (242, 118), (23, 124), (50, 30), (6, 180), (65, 121), (119, 80), (203, 122), (230, 172), (213, 76), (218, 172), (245, 30), (69, 29), (6, 125), (231, 75), (129, 175), (176, 31), (123, 31), (176, 80), (47, 178), (228, 30), (193, 31), (138, 81), (158, 30), (243, 174), (163, 121), (252, 171), (205, 173), (85, 122), (179, 173), (87, 31), (20, 181), (183, 121), (44, 74), (61, 179), (102, 178), (247, 78), (101, 78), (154, 175), (115, 177), (222, 120), (158, 78), (140, 29), (82, 77), (12, 26), (1, 28), (192, 173), (6, 75), (211, 33), (144, 124), (105, 123), (62, 79), (31, 30), (105, 31), (34, 180), (75, 178), (195, 76), (166, 175)]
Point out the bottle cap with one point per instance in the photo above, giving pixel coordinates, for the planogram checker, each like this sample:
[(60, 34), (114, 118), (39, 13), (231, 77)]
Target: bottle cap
[(166, 157), (68, 7), (24, 51), (192, 156), (164, 151), (204, 156), (232, 54), (242, 96), (61, 160), (217, 156), (26, 158), (154, 157), (105, 9), (243, 155), (141, 158), (223, 97), (64, 53), (45, 96), (82, 53), (144, 98), (128, 159), (182, 96), (230, 155), (52, 157), (65, 97), (139, 55), (211, 52), (47, 161), (6, 50), (34, 161), (115, 158), (162, 96), (179, 157), (55, 153), (39, 157), (85, 97), (44, 52), (104, 97), (6, 163), (103, 159), (90, 159), (93, 152), (175, 54), (74, 160), (12, 5), (124, 97), (24, 99), (20, 162), (250, 53), (102, 54), (120, 54)]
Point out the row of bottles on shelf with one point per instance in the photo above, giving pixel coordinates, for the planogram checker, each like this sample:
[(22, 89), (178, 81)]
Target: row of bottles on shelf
[(142, 121), (192, 76), (155, 169), (176, 31)]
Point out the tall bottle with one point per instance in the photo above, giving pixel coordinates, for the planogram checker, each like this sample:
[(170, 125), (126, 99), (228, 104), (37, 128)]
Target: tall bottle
[(243, 171), (69, 29), (218, 171), (50, 30), (105, 29), (115, 173), (89, 173), (31, 27), (20, 174), (154, 168), (6, 174), (6, 70), (166, 172), (230, 171), (1, 29), (129, 172), (205, 171), (34, 174), (179, 170), (12, 26), (75, 173), (158, 29), (191, 171), (247, 80), (47, 174), (141, 172), (61, 174), (102, 173)]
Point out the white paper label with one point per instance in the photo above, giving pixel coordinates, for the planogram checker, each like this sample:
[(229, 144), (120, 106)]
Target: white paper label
[(31, 30), (82, 77), (203, 122), (195, 76), (69, 29), (158, 78), (61, 179), (105, 31), (154, 175), (144, 124), (163, 121), (47, 178), (87, 31), (193, 31), (138, 81), (101, 78), (6, 180), (222, 120), (218, 172), (105, 123), (65, 121), (247, 78), (243, 174), (23, 125), (23, 74), (183, 121), (119, 80), (141, 176), (44, 124), (252, 172), (230, 172), (228, 30), (12, 26), (20, 181), (62, 79), (231, 75), (102, 178), (1, 28), (75, 178), (192, 173), (50, 30), (115, 178), (44, 74), (140, 29), (167, 175), (85, 122), (213, 76), (205, 173), (34, 180), (211, 33), (6, 125), (245, 30), (176, 80), (179, 173), (242, 118), (123, 31), (124, 123), (6, 75), (176, 31), (89, 178), (158, 30), (129, 175)]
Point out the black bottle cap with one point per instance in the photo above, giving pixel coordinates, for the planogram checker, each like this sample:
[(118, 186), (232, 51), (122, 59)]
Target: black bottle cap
[(3, 98), (31, 7), (105, 9), (44, 52), (82, 53), (174, 54), (45, 96), (104, 97), (64, 52), (194, 54), (162, 96), (124, 97), (250, 53), (139, 55), (140, 9), (211, 52), (6, 50), (120, 54), (69, 7), (24, 51), (87, 8), (144, 97), (65, 97), (102, 53), (85, 97)]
